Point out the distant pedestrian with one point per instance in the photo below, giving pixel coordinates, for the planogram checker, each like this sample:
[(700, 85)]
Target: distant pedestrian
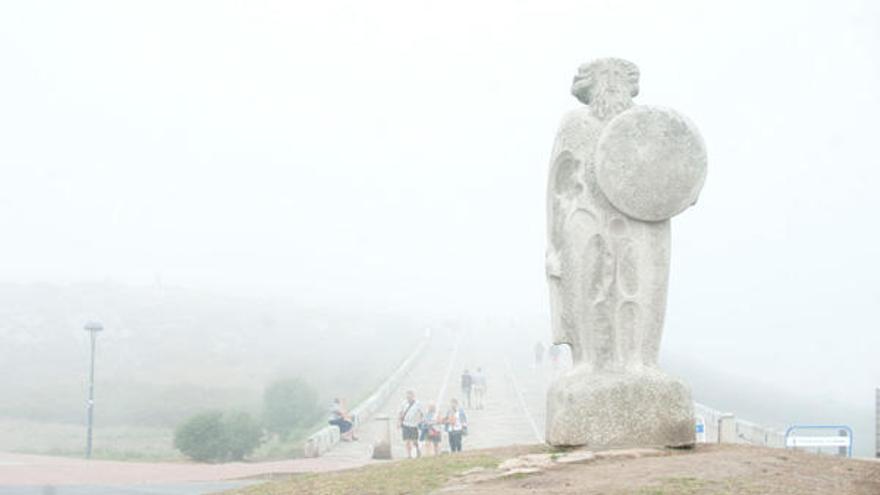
[(554, 355), (411, 415), (539, 354), (479, 386), (340, 417), (467, 384), (456, 425), (430, 433)]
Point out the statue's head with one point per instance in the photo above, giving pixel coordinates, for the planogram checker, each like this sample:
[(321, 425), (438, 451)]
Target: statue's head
[(606, 81)]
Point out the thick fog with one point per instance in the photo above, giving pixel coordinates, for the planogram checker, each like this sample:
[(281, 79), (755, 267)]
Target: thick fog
[(391, 157)]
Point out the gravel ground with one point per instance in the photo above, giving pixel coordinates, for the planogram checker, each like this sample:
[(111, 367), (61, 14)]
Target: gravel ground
[(706, 470)]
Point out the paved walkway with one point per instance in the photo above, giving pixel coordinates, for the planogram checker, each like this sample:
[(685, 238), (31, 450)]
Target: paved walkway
[(23, 469), (513, 414), (193, 488), (513, 411), (428, 378)]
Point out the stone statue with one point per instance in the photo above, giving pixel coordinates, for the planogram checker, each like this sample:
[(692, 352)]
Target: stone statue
[(618, 173)]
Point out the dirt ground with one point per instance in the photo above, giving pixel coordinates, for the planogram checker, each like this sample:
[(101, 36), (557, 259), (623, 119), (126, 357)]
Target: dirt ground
[(706, 470)]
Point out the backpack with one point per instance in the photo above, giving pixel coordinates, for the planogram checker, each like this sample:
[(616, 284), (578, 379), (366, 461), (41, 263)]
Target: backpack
[(463, 418)]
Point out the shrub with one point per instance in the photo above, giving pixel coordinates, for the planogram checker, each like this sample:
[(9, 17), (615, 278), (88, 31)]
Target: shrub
[(214, 436), (287, 404), (201, 437), (243, 434)]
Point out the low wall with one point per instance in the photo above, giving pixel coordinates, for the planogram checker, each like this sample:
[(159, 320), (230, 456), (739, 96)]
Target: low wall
[(324, 439), (741, 431)]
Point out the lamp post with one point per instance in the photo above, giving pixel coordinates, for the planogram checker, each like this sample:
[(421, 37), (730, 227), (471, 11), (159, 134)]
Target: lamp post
[(93, 327)]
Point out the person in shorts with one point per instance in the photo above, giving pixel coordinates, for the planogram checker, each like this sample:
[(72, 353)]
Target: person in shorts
[(411, 415), (340, 418)]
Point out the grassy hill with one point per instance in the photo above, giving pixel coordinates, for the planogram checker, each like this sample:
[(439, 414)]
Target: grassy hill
[(167, 353)]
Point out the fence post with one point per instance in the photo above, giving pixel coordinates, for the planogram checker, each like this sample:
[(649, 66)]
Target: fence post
[(727, 428), (382, 448)]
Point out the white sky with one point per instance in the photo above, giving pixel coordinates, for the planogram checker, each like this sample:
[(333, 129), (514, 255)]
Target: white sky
[(394, 154)]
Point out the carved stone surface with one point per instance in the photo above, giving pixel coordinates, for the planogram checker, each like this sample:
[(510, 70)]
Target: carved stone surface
[(603, 410), (608, 268), (651, 163)]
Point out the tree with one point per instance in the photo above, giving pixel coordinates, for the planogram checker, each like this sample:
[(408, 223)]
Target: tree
[(288, 403), (214, 436)]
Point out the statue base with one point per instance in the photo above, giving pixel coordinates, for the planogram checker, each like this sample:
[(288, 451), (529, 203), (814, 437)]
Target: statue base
[(645, 408)]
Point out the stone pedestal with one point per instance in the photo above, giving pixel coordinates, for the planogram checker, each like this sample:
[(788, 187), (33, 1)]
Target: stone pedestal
[(610, 410)]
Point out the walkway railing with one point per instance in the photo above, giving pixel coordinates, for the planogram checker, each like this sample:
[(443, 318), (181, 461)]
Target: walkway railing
[(726, 428)]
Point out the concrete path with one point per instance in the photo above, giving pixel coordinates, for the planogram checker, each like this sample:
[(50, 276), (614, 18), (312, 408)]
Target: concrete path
[(513, 411), (32, 470), (196, 488), (430, 378)]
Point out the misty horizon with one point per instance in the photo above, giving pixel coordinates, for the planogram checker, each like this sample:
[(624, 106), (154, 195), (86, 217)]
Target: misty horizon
[(389, 160)]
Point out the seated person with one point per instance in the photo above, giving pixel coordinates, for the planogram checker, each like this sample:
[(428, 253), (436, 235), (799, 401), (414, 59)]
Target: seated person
[(339, 417)]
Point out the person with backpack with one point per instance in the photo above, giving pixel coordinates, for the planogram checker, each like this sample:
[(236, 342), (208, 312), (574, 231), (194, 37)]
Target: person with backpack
[(430, 430), (411, 415), (456, 425)]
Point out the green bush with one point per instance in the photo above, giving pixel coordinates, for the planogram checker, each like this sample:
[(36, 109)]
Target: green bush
[(243, 434), (288, 404), (214, 436)]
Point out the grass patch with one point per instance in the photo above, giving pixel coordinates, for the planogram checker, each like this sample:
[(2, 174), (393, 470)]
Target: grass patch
[(415, 476), (695, 486), (118, 443), (675, 486)]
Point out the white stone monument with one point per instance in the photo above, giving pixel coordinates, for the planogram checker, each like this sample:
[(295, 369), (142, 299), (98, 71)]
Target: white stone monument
[(618, 173)]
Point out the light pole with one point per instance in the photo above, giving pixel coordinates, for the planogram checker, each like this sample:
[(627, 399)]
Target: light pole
[(93, 327)]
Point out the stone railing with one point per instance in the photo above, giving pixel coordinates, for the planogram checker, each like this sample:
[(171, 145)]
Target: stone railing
[(324, 439), (877, 419), (726, 428)]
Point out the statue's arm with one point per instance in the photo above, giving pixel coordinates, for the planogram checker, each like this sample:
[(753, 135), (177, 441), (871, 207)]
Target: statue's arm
[(562, 186)]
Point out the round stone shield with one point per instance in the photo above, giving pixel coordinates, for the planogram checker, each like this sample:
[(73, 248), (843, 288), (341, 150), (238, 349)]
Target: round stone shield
[(651, 163)]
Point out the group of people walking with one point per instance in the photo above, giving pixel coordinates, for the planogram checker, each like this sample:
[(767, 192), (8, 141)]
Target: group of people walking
[(422, 428)]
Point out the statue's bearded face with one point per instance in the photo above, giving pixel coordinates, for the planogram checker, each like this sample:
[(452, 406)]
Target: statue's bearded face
[(607, 85)]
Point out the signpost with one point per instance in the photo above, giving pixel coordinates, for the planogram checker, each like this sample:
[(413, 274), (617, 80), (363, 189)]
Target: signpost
[(842, 438), (93, 328)]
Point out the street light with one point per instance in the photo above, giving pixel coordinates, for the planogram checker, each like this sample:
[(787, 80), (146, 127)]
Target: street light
[(93, 327)]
